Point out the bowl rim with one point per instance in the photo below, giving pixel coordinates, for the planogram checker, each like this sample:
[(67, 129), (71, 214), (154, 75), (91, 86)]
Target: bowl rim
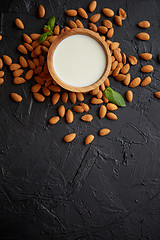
[(68, 33)]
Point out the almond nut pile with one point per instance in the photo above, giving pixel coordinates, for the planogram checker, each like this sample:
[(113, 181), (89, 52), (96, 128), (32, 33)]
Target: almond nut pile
[(32, 65)]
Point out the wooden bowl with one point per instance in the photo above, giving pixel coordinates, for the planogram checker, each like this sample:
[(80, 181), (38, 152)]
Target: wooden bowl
[(89, 33)]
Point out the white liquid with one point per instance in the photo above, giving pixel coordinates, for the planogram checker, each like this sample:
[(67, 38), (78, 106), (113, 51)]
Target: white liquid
[(79, 60)]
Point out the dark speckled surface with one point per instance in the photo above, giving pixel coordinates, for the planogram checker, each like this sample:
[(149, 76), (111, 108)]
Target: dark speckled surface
[(109, 190)]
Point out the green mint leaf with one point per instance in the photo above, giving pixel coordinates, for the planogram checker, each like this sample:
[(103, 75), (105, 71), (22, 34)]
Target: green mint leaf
[(44, 36), (51, 22), (114, 97)]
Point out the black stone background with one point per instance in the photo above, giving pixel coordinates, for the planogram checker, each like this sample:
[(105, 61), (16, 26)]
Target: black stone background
[(108, 190)]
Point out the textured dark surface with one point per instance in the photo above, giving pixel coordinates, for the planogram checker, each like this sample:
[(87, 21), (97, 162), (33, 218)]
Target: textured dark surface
[(108, 190)]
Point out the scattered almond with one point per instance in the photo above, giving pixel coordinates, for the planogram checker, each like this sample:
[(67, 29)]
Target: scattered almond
[(146, 81), (87, 118), (0, 37), (110, 32), (95, 18), (54, 88), (96, 101), (35, 88), (35, 36), (92, 6), (14, 66), (28, 75), (111, 116), (144, 24), (94, 91), (111, 106), (129, 96), (82, 13), (117, 55), (132, 60), (26, 38), (143, 36), (80, 96), (78, 109), (19, 23), (64, 97), (102, 111), (41, 11), (39, 97), (157, 94), (135, 82), (69, 116), (21, 48), (79, 23), (107, 23), (104, 131), (108, 12), (93, 27), (114, 45), (147, 69), (125, 69), (85, 107), (72, 24), (19, 80), (72, 97), (1, 63), (106, 82), (89, 139), (124, 58), (102, 29), (7, 60), (28, 47), (54, 120), (146, 56), (1, 74), (56, 30), (120, 77), (16, 97), (118, 20), (45, 91), (70, 137), (71, 13), (1, 81), (18, 72), (122, 13), (127, 80), (55, 98)]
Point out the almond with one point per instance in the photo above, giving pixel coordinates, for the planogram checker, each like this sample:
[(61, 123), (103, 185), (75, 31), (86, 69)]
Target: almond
[(72, 97), (19, 80), (117, 55), (120, 77), (64, 97), (1, 81), (122, 13), (35, 36), (55, 98), (146, 81), (38, 50), (39, 97), (104, 131), (143, 36), (72, 24), (82, 13), (28, 47), (61, 111), (111, 116), (89, 139), (51, 39), (70, 137), (132, 60), (157, 94), (106, 82), (28, 75), (14, 66), (114, 45), (125, 69), (92, 6), (124, 58), (135, 82), (26, 38), (1, 74), (96, 101), (0, 37), (7, 60), (94, 91), (80, 96), (19, 23), (46, 44), (35, 43), (109, 43), (16, 97), (55, 88), (87, 118), (120, 65), (69, 116), (116, 72), (144, 24), (33, 55), (56, 30), (35, 88), (45, 91), (108, 12), (36, 62), (54, 120), (66, 28), (38, 70), (147, 69), (39, 80), (18, 72), (118, 20), (146, 56), (31, 64), (41, 11), (21, 48), (129, 96), (79, 23), (111, 106), (85, 107), (71, 12), (107, 23), (102, 87), (99, 94), (41, 60), (105, 100), (110, 33), (102, 29), (78, 109), (102, 111), (1, 63), (95, 18), (127, 80)]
